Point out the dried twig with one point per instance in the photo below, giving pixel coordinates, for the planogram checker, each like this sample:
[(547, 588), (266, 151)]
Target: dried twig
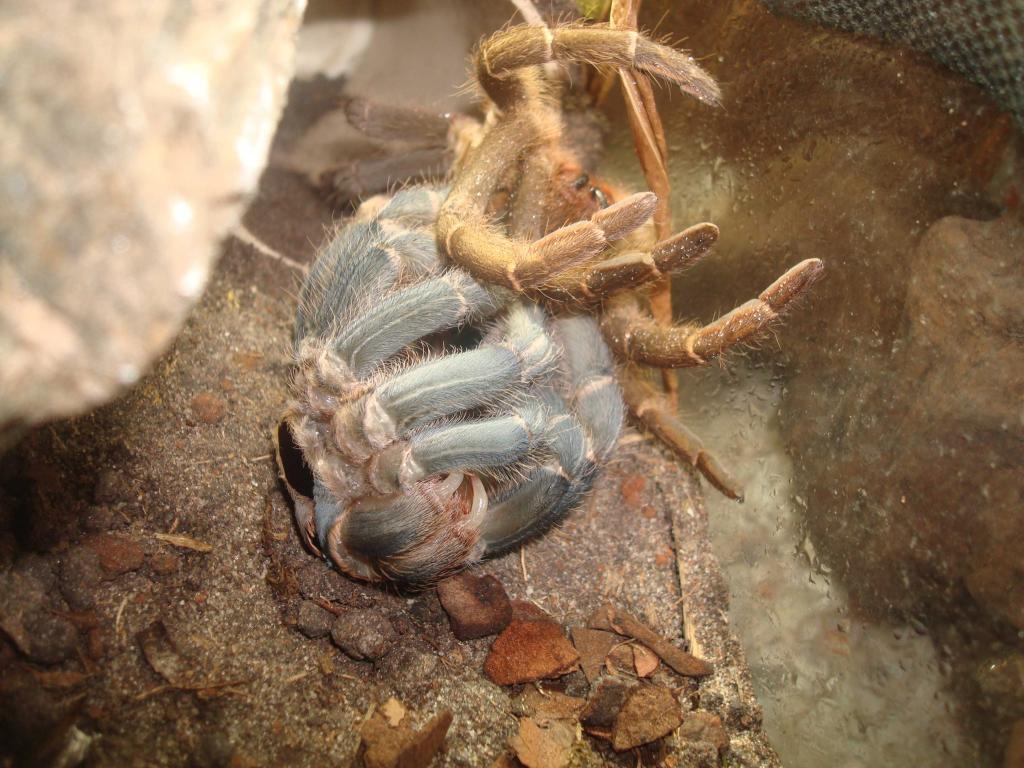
[(184, 542)]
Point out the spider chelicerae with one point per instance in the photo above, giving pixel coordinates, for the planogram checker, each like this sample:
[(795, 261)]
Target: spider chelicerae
[(408, 460)]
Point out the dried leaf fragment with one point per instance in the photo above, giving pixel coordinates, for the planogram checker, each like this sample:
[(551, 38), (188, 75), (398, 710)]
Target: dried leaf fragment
[(162, 654), (645, 661), (543, 743), (593, 646), (528, 651), (650, 712), (384, 745)]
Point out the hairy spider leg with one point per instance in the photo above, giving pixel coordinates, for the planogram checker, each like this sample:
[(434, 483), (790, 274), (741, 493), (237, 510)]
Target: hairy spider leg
[(520, 354), (634, 335), (658, 416), (503, 56), (369, 257), (413, 505), (580, 439), (594, 282), (426, 526), (489, 254), (406, 316)]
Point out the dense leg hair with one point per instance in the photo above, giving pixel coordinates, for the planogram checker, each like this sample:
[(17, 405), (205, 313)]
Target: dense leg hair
[(417, 536), (583, 427), (370, 257), (595, 282), (502, 56), (634, 335), (658, 416), (518, 354), (415, 512), (406, 316), (390, 122), (488, 253), (416, 146)]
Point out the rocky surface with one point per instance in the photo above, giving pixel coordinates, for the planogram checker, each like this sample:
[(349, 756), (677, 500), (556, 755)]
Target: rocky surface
[(131, 142)]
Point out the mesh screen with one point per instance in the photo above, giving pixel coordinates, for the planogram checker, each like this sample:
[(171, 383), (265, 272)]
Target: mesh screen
[(981, 39)]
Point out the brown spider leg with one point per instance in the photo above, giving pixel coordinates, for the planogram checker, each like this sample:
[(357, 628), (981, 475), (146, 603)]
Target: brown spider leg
[(491, 256), (513, 49), (635, 336), (657, 415), (595, 282)]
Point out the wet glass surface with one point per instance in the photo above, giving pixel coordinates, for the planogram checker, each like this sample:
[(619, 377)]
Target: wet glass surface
[(876, 570)]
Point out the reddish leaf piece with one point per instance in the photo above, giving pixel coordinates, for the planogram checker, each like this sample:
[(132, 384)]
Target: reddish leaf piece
[(528, 651)]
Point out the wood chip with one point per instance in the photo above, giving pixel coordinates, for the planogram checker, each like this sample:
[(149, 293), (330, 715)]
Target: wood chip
[(607, 617), (184, 542)]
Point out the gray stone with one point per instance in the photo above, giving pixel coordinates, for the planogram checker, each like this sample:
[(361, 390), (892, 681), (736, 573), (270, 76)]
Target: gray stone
[(363, 634)]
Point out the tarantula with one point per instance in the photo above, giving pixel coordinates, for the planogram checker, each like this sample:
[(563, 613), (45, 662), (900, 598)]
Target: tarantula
[(415, 463)]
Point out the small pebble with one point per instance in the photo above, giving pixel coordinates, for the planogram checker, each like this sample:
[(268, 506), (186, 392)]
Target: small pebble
[(363, 634), (477, 606), (313, 621), (80, 575), (117, 553), (100, 519), (163, 562), (111, 487), (51, 639)]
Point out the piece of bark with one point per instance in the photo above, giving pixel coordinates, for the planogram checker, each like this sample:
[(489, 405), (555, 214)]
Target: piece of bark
[(551, 704), (645, 661), (609, 618), (524, 610), (704, 726), (528, 651)]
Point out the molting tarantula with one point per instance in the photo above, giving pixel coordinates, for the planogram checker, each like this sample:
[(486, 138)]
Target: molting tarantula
[(423, 461)]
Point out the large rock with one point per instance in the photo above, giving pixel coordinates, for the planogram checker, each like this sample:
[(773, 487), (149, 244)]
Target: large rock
[(133, 135)]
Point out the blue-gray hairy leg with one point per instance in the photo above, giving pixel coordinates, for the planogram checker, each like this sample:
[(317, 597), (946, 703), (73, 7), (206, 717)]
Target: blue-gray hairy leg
[(495, 373), (407, 315), (488, 445), (580, 437), (369, 257)]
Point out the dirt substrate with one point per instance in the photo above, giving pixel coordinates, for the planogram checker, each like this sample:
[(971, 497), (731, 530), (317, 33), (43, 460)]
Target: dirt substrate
[(154, 586)]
